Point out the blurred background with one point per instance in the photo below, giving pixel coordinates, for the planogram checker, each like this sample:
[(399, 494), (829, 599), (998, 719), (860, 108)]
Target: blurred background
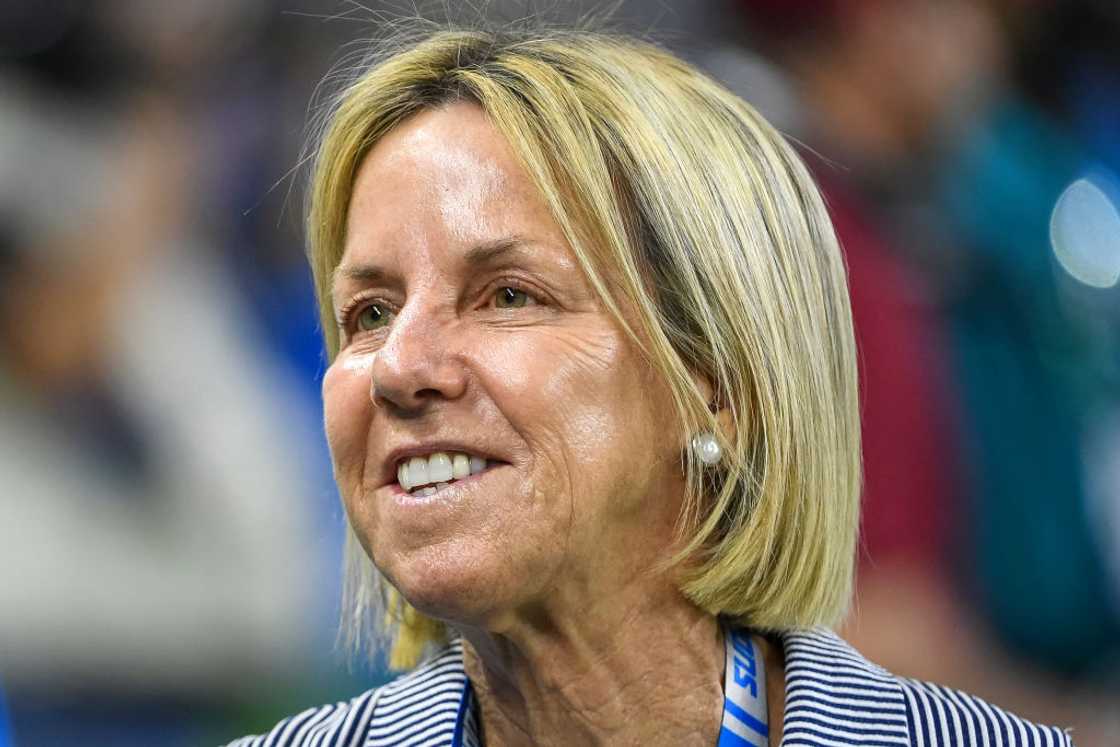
[(169, 531)]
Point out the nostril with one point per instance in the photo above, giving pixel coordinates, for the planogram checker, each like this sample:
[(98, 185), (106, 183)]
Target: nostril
[(403, 402), (411, 410)]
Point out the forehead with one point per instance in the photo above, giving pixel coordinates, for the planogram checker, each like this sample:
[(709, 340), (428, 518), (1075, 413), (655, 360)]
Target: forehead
[(443, 180)]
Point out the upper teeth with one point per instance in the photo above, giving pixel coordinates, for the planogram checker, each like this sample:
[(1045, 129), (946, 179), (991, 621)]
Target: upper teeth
[(436, 468)]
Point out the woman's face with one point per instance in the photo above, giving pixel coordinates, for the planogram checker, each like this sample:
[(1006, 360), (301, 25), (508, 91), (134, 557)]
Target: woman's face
[(469, 329)]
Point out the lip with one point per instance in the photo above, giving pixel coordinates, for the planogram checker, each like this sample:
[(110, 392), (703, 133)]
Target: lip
[(420, 518), (425, 448)]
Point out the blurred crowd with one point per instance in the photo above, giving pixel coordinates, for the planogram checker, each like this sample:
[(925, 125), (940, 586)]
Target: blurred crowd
[(169, 531), (969, 153)]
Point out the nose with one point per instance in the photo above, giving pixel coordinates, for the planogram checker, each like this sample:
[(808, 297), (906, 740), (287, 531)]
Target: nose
[(416, 367)]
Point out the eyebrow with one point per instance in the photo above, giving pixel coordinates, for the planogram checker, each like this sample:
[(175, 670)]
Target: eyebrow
[(484, 253), (490, 251), (358, 273)]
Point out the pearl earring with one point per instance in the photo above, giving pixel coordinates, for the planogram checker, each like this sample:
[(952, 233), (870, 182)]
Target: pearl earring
[(706, 448)]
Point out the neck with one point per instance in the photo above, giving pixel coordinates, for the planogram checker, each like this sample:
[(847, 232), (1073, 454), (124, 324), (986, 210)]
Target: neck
[(649, 673)]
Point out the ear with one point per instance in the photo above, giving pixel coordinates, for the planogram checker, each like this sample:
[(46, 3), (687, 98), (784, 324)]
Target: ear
[(716, 405)]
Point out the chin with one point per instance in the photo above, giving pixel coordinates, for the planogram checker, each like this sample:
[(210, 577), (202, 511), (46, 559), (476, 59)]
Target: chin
[(448, 584)]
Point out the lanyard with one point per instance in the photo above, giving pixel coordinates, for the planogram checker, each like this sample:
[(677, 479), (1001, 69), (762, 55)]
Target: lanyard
[(744, 694)]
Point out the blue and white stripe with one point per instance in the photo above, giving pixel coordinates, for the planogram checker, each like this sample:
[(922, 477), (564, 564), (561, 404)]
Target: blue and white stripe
[(834, 698), (744, 694)]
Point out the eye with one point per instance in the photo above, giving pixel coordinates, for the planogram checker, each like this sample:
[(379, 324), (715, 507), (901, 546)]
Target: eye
[(370, 318), (512, 298)]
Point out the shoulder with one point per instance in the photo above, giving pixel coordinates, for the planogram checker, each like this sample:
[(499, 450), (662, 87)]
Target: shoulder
[(836, 696), (941, 714), (420, 707)]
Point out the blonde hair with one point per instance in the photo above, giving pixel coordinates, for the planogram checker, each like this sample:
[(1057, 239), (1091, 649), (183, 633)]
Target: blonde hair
[(685, 208)]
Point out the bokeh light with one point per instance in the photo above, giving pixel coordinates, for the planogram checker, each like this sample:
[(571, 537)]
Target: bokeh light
[(1085, 234)]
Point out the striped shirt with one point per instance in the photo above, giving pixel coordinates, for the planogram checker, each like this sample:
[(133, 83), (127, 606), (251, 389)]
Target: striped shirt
[(833, 697)]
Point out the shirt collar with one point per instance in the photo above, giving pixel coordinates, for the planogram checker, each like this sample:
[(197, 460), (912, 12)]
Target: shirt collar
[(816, 662)]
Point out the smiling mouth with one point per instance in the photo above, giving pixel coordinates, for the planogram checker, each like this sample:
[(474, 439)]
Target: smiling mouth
[(425, 476)]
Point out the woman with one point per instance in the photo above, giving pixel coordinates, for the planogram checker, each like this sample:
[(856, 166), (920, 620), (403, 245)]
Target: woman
[(593, 412)]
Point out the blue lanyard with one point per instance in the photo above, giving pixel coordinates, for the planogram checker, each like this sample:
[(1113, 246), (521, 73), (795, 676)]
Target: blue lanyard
[(744, 694)]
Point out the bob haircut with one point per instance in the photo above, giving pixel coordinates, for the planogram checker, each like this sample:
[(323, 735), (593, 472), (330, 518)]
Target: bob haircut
[(705, 237)]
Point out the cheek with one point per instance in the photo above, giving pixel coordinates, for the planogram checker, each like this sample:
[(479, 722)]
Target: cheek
[(551, 383), (346, 412), (582, 399)]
